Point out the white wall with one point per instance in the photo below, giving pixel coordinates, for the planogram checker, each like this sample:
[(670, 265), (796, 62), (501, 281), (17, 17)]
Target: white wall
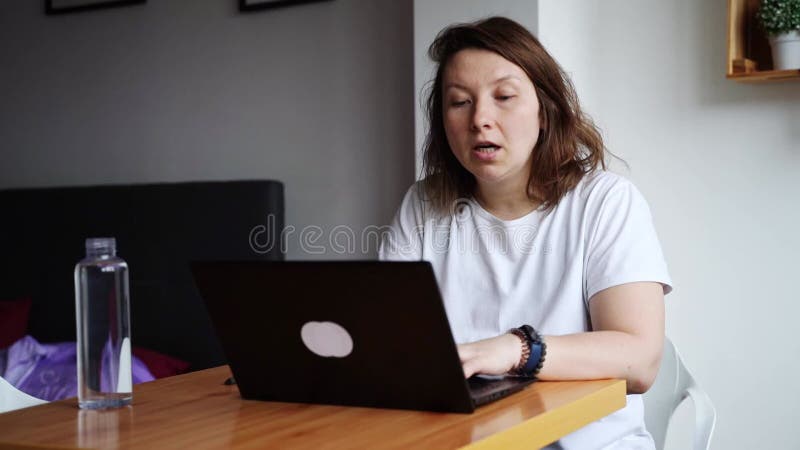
[(719, 163), (430, 17), (318, 96)]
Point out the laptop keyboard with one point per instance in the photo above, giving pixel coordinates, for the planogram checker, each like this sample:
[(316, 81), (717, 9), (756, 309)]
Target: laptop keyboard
[(485, 390), (480, 385)]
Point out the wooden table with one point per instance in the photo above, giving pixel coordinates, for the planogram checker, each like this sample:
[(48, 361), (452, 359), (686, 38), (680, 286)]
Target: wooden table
[(197, 411)]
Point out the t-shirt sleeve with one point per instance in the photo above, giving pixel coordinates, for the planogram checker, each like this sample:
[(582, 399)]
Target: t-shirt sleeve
[(622, 245), (402, 240)]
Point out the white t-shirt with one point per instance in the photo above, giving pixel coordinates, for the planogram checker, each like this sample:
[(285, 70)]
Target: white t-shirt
[(540, 269)]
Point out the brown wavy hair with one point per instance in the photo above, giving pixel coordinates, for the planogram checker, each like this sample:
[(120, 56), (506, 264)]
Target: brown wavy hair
[(569, 144)]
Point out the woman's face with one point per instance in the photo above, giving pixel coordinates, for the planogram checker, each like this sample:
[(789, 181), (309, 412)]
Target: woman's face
[(491, 116)]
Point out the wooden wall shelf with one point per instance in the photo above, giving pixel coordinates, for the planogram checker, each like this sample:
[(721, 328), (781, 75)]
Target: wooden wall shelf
[(749, 56)]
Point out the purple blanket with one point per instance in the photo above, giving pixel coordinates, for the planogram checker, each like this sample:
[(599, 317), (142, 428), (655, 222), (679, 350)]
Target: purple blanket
[(49, 371)]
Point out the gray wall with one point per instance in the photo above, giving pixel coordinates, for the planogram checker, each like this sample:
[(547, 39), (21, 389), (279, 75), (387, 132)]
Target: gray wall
[(319, 96)]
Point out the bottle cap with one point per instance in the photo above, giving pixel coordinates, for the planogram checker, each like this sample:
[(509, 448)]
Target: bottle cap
[(101, 246)]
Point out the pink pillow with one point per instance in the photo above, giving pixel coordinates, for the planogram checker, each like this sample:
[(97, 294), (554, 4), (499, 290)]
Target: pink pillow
[(161, 365), (13, 320)]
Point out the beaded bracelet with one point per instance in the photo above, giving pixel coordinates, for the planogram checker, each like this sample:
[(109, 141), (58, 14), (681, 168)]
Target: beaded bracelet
[(525, 354), (534, 351)]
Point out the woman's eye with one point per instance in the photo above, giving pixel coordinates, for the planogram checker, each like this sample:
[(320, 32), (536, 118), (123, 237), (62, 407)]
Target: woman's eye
[(503, 98), (458, 103)]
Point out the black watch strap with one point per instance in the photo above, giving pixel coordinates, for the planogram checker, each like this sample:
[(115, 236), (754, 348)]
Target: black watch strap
[(537, 349)]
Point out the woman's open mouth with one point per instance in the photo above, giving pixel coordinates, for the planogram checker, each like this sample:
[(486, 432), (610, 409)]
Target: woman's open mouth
[(485, 152)]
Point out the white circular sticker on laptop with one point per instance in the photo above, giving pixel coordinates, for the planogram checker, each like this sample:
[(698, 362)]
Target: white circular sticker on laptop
[(327, 339)]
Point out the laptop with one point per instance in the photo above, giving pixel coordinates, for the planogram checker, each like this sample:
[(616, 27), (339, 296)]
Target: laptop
[(354, 333)]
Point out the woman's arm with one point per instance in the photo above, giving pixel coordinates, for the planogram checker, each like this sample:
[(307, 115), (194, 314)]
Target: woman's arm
[(628, 324)]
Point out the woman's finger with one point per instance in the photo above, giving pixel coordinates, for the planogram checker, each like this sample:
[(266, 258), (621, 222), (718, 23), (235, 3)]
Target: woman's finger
[(465, 352), (470, 368)]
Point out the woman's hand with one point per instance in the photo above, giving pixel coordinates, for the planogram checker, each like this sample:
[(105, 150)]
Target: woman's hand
[(493, 356)]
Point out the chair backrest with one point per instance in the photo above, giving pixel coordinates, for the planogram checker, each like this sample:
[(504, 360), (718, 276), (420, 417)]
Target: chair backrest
[(159, 228), (673, 384)]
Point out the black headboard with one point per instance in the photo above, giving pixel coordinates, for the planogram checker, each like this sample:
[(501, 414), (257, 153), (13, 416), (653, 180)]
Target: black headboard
[(159, 228)]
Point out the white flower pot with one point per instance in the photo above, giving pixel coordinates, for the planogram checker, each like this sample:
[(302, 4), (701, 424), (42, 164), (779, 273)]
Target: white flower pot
[(786, 50)]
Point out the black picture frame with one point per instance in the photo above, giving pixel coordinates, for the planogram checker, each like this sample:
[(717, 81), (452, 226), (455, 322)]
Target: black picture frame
[(259, 5), (52, 7)]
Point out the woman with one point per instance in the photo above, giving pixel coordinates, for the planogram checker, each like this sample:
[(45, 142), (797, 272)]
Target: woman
[(549, 266)]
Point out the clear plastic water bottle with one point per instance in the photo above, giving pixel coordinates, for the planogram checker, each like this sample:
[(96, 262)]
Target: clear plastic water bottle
[(102, 312)]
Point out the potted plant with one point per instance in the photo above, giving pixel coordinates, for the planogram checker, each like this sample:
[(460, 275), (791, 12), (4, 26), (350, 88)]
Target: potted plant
[(781, 20)]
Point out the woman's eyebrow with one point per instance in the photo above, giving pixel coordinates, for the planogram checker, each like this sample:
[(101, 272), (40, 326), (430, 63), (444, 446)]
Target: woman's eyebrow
[(506, 78), (497, 81), (454, 86)]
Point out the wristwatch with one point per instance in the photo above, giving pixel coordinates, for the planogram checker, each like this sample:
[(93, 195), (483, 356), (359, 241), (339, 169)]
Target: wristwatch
[(534, 350)]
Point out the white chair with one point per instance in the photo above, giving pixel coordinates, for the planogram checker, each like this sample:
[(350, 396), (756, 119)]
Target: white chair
[(12, 398), (673, 385)]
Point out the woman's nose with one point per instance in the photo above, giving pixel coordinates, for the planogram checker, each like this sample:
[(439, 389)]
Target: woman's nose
[(482, 116)]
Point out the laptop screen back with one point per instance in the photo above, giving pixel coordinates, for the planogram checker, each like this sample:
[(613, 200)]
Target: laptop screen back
[(358, 333)]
